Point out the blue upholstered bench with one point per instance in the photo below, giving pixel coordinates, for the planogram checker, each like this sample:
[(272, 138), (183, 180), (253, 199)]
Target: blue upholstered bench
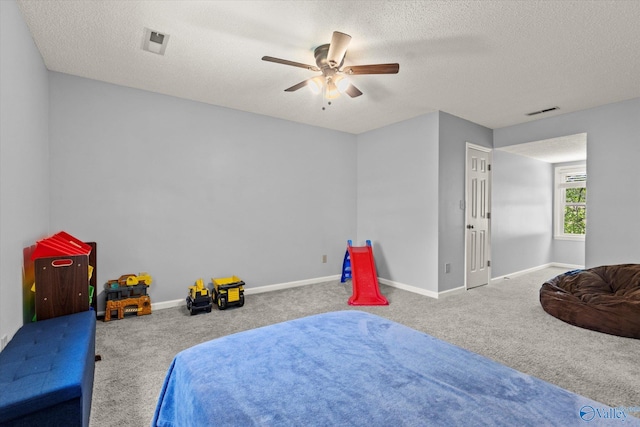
[(46, 372)]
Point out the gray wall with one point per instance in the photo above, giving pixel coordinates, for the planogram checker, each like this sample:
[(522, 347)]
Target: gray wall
[(186, 190), (454, 133), (613, 150), (397, 190), (24, 158), (403, 169), (522, 213), (570, 252)]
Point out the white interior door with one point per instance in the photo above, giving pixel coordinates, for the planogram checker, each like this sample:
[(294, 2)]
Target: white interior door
[(478, 216)]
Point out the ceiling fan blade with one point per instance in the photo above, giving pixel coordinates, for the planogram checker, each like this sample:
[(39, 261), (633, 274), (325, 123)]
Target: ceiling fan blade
[(353, 91), (299, 85), (292, 63), (372, 69), (337, 48)]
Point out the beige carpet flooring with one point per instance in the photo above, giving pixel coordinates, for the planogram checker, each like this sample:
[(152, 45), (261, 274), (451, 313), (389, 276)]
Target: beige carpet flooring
[(503, 321)]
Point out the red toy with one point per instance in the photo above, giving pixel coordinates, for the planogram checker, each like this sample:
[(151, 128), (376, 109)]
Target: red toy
[(360, 266)]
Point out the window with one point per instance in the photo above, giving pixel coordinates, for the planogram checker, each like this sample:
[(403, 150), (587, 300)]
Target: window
[(570, 202)]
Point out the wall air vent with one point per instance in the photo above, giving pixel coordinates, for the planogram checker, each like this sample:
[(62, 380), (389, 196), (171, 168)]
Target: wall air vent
[(546, 110), (154, 41)]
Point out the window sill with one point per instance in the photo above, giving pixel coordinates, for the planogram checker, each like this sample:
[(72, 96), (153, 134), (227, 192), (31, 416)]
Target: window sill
[(576, 238)]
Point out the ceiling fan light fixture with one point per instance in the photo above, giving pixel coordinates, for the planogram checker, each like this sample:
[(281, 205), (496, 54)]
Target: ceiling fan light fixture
[(342, 84), (332, 90), (315, 85)]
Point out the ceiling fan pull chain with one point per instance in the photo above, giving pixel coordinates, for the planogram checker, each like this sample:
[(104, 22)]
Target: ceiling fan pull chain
[(324, 97)]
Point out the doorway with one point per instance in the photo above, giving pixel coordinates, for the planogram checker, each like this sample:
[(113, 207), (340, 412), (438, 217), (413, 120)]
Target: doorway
[(558, 247), (477, 216)]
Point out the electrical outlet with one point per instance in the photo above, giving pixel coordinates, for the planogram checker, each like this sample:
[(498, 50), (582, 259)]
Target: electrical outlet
[(3, 342), (447, 268), (324, 259)]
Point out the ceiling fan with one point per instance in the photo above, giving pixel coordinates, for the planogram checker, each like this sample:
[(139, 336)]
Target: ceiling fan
[(329, 61)]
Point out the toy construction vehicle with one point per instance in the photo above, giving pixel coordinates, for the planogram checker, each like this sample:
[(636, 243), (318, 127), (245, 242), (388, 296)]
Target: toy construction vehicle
[(199, 298), (130, 280), (127, 295), (228, 291)]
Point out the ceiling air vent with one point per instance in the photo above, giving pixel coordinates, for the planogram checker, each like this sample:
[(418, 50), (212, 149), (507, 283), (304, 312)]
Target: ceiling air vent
[(546, 110), (154, 41)]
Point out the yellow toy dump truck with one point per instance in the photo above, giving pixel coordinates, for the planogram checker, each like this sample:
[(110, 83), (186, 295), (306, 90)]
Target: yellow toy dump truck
[(130, 280), (140, 279), (228, 291), (199, 298)]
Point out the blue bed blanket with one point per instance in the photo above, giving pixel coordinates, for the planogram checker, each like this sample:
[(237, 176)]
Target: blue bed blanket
[(357, 369)]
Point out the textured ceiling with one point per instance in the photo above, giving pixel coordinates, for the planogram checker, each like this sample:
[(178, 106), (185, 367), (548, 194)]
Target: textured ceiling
[(490, 62), (555, 150)]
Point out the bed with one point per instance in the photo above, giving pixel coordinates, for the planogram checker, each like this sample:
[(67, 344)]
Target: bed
[(354, 368)]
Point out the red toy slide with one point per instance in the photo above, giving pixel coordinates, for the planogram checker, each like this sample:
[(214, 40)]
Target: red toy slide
[(364, 278)]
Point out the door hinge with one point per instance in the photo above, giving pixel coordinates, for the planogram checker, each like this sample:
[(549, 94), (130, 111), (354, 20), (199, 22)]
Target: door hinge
[(488, 215), (488, 263), (489, 167)]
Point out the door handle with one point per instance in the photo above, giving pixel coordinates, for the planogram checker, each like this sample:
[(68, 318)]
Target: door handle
[(469, 226)]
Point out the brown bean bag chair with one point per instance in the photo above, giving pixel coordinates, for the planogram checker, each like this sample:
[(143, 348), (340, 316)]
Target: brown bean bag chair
[(605, 299)]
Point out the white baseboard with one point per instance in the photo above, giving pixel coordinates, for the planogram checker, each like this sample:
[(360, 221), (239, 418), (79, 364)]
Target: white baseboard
[(540, 267), (287, 285), (409, 288), (168, 304), (451, 291), (567, 266)]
